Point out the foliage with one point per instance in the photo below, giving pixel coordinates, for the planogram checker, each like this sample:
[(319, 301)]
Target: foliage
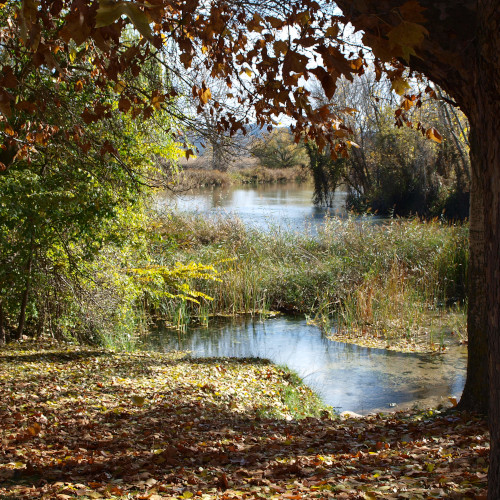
[(88, 45), (59, 210), (164, 426), (277, 149), (73, 182), (401, 174), (113, 294), (262, 175)]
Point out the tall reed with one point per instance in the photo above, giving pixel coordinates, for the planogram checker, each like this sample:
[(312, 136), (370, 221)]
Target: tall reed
[(389, 276)]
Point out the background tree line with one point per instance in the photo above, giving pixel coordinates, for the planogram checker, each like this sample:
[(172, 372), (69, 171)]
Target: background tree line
[(389, 170)]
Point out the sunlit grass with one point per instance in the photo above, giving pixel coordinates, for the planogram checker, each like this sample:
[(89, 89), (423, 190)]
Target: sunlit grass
[(393, 280)]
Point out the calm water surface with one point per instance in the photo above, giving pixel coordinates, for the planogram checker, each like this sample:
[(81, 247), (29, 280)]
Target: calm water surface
[(348, 377), (287, 206)]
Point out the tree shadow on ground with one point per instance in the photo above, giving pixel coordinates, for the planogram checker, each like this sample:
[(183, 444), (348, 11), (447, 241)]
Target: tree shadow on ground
[(190, 438)]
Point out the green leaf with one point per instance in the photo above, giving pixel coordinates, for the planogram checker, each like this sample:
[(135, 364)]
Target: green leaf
[(407, 36), (400, 85)]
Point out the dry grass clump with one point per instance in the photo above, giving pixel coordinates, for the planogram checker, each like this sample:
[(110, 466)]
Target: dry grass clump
[(194, 178), (261, 175)]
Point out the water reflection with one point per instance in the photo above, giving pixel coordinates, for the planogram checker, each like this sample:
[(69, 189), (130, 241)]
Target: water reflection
[(348, 377), (287, 205)]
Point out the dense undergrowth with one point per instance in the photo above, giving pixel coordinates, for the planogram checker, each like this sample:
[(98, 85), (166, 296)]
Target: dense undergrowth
[(398, 279), (388, 283)]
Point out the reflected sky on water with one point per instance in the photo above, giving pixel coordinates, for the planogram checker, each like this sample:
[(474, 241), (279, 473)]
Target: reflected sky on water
[(347, 376), (288, 206)]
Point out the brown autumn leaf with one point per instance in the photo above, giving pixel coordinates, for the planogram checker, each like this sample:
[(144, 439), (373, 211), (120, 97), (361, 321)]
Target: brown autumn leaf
[(27, 106), (8, 80), (89, 117), (407, 104), (280, 47), (412, 11), (274, 22), (75, 27), (107, 147), (124, 104), (332, 31), (35, 429), (381, 47), (328, 83), (294, 62), (8, 129), (5, 100), (205, 95)]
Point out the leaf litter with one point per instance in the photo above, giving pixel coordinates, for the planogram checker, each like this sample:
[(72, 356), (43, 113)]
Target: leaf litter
[(87, 423)]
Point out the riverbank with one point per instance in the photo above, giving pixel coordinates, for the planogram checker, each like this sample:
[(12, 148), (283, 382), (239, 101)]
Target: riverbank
[(195, 178), (400, 284), (88, 423)]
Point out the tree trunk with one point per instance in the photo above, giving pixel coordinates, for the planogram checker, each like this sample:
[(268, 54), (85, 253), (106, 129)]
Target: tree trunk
[(489, 150), (26, 292), (41, 321), (484, 111), (2, 329), (476, 392)]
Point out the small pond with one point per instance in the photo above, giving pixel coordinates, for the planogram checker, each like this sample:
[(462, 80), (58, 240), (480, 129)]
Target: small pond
[(348, 377)]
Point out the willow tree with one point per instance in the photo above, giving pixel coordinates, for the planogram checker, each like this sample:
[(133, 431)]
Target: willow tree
[(264, 51)]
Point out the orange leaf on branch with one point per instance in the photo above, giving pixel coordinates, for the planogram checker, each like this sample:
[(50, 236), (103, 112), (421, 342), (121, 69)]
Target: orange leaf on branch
[(434, 135)]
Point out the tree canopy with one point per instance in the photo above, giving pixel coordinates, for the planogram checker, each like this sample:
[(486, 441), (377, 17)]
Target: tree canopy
[(265, 52)]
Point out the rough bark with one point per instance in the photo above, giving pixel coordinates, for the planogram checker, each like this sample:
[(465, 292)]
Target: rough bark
[(476, 393), (490, 187), (485, 121)]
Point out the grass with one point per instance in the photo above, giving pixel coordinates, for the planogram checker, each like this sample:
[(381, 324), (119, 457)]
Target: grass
[(389, 284), (298, 400)]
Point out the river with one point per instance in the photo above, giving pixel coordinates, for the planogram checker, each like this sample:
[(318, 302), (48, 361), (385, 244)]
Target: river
[(348, 377), (266, 206)]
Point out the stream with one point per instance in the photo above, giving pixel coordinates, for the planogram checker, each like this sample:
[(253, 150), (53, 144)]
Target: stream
[(347, 377)]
